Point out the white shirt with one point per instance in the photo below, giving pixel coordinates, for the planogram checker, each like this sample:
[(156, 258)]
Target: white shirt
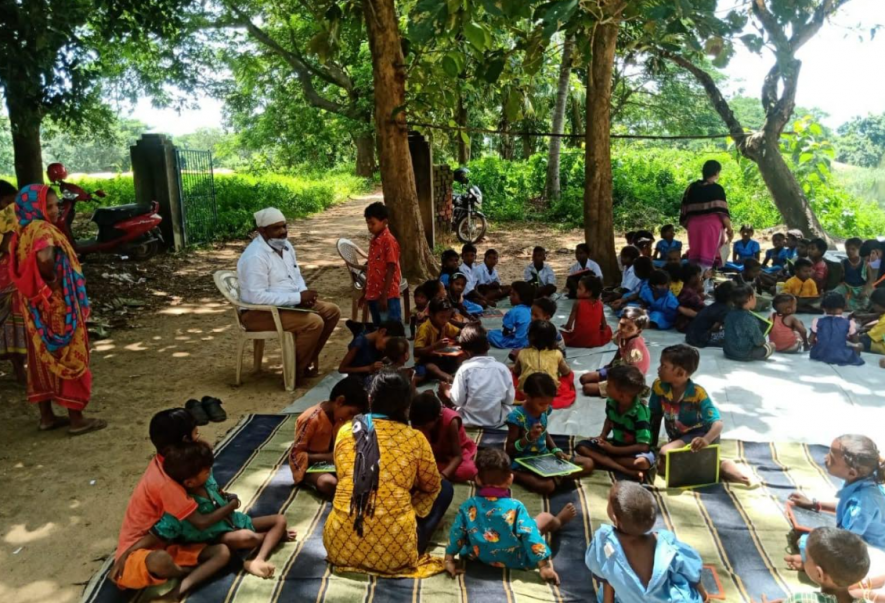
[(483, 392), (266, 278), (591, 266), (629, 281), (545, 275), (483, 276), (470, 273)]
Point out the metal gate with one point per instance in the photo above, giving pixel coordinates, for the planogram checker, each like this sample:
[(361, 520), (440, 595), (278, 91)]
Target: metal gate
[(197, 185)]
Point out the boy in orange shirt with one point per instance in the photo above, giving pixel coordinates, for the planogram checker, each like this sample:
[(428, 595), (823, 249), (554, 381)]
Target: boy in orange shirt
[(142, 558), (383, 272)]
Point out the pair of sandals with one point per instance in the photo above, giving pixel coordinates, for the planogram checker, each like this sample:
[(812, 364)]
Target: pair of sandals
[(206, 410)]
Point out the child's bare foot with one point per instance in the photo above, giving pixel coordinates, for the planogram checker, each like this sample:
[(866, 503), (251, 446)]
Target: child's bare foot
[(794, 562), (262, 569), (568, 513), (290, 535)]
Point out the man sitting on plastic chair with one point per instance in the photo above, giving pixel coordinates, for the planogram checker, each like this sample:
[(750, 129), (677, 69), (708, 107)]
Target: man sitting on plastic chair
[(268, 275)]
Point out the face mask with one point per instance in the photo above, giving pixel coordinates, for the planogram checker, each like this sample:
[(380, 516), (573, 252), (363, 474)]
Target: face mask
[(278, 244)]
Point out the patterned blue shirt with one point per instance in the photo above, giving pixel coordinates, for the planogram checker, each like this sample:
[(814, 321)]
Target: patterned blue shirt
[(519, 417), (497, 531)]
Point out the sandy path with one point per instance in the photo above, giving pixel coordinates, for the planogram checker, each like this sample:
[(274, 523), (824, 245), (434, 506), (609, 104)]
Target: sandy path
[(65, 497)]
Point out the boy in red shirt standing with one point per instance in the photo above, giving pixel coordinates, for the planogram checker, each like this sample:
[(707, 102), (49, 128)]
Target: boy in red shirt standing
[(383, 271), (142, 558)]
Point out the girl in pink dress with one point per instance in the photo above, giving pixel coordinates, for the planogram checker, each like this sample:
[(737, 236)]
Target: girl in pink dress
[(454, 450)]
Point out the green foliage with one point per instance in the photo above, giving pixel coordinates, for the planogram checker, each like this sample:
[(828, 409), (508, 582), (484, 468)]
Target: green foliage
[(862, 141), (648, 185), (239, 196)]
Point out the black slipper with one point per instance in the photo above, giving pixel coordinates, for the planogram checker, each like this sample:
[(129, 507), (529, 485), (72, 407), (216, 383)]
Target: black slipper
[(195, 407), (212, 406)]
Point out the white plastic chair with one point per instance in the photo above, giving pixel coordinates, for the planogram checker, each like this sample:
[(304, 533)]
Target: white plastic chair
[(355, 262), (226, 281)]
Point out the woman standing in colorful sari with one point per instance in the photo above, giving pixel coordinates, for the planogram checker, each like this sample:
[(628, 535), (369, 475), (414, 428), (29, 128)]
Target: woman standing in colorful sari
[(705, 215), (13, 344), (52, 293)]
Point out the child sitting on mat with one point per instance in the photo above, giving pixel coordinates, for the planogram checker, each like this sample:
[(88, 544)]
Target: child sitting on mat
[(642, 270), (691, 298), (316, 428), (744, 338), (497, 529), (544, 308), (543, 356), (142, 559), (366, 351), (466, 310), (666, 245), (835, 560), (448, 265), (453, 449), (873, 333), (707, 327), (586, 326), (788, 334), (434, 335), (483, 390), (628, 421), (488, 283), (660, 303), (582, 267), (515, 331), (831, 334), (468, 269), (527, 436), (539, 274), (688, 413), (747, 248), (803, 286), (860, 504), (191, 466), (629, 558), (631, 351), (628, 255)]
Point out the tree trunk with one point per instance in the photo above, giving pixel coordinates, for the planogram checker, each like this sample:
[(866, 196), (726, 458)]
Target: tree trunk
[(365, 154), (506, 144), (463, 146), (577, 122), (24, 121), (528, 147), (787, 193), (598, 188), (553, 186), (397, 175)]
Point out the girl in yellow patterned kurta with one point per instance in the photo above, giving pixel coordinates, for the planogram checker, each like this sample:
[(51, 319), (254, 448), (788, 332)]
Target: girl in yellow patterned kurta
[(408, 485)]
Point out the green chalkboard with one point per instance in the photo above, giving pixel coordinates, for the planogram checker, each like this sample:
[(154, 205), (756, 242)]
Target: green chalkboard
[(687, 469), (321, 468), (548, 465)]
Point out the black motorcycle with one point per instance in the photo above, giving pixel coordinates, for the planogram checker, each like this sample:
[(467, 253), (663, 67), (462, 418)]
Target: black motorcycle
[(468, 221)]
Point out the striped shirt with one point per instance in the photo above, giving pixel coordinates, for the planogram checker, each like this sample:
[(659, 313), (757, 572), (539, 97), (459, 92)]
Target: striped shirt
[(632, 427), (815, 598)]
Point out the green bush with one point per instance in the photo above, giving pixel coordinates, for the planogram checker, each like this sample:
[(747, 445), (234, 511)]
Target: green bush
[(648, 185), (239, 196)]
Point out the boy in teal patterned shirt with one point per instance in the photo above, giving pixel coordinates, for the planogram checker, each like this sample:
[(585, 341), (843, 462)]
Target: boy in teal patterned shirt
[(497, 529), (685, 408), (628, 420)]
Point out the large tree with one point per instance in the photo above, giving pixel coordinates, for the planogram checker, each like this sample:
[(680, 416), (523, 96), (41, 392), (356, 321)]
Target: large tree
[(57, 53), (785, 27), (562, 93), (397, 174)]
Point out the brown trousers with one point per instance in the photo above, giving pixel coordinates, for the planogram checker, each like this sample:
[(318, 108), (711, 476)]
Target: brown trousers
[(311, 331)]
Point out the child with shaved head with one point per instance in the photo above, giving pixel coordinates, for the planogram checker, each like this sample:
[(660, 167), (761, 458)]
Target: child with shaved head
[(636, 564)]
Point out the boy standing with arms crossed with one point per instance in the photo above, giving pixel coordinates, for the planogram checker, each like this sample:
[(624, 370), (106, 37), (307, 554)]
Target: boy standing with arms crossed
[(383, 272)]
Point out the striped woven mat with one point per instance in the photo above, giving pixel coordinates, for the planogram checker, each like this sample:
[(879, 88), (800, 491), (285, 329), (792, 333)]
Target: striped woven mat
[(740, 532)]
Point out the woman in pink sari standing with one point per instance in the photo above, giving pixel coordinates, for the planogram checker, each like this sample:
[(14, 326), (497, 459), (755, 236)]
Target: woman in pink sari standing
[(705, 215)]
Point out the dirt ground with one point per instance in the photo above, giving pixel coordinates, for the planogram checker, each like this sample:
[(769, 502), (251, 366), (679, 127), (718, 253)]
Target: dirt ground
[(170, 340)]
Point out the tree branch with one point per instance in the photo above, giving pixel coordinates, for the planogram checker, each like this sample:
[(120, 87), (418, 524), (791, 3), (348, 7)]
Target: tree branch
[(301, 69), (802, 34), (716, 97)]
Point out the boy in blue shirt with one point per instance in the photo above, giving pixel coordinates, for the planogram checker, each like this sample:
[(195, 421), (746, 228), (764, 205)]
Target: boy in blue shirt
[(497, 529), (685, 408), (638, 565)]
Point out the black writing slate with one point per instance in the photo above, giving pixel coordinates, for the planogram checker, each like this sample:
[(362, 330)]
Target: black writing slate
[(806, 520), (548, 465), (687, 469)]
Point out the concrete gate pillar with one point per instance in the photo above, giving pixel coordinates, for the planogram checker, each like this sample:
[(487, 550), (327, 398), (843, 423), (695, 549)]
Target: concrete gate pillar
[(155, 172)]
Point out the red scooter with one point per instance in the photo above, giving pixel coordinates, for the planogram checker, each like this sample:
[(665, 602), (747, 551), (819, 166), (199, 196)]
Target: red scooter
[(128, 230)]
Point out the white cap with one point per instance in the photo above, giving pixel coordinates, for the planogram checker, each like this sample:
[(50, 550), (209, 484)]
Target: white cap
[(268, 216)]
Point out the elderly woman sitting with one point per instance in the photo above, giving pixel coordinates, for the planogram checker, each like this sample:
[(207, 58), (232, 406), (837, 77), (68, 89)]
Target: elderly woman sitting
[(390, 495)]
